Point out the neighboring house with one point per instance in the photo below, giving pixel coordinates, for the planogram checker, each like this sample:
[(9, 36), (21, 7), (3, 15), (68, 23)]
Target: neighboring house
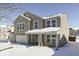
[(48, 31), (74, 34), (10, 30), (5, 32)]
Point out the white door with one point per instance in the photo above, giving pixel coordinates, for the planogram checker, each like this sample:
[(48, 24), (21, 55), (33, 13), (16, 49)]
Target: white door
[(21, 38)]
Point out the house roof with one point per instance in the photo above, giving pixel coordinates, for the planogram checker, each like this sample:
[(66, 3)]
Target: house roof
[(3, 26), (26, 17), (53, 16), (42, 31), (27, 13)]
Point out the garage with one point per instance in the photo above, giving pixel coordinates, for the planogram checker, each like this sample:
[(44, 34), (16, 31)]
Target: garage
[(21, 39)]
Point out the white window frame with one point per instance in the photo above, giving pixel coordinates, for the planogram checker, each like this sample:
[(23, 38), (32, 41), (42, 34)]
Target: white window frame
[(20, 27), (51, 22), (51, 38)]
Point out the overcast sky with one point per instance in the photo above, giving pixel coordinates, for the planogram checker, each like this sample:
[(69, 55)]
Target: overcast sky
[(9, 12)]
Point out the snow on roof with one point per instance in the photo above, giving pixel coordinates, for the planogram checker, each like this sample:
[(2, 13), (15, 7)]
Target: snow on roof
[(3, 26), (26, 17), (76, 28), (41, 31), (53, 16)]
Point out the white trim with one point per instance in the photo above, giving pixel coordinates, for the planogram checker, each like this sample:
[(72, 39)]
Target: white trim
[(57, 41), (26, 17), (51, 37), (42, 31), (18, 24), (52, 16), (51, 22)]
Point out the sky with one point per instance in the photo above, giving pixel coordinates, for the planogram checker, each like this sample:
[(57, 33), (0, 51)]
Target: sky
[(9, 12)]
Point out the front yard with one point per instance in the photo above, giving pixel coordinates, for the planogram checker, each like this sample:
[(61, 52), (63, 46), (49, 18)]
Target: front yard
[(70, 49)]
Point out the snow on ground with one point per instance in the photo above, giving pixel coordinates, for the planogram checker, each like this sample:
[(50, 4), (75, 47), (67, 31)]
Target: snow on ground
[(70, 49), (22, 50)]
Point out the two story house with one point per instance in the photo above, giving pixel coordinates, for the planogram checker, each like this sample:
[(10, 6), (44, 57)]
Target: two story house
[(35, 30)]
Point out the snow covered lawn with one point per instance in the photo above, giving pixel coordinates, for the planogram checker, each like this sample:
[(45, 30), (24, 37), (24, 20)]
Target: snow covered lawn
[(70, 49), (22, 50)]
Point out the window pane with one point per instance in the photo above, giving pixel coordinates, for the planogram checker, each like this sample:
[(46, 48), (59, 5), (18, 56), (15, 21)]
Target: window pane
[(20, 26), (36, 25), (48, 23), (53, 35), (23, 26), (48, 38), (17, 26), (53, 23), (53, 40)]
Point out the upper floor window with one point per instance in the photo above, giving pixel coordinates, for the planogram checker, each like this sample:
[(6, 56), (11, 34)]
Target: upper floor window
[(51, 23), (35, 24), (48, 23), (17, 26), (20, 26)]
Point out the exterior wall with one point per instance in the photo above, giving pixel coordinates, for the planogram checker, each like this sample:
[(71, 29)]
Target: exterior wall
[(64, 29), (58, 21), (34, 18), (51, 44), (20, 19)]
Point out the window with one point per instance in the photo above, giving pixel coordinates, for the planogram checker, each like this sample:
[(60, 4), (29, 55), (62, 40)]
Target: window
[(53, 38), (20, 26), (48, 23), (17, 26), (53, 23), (53, 35), (48, 38), (35, 24)]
